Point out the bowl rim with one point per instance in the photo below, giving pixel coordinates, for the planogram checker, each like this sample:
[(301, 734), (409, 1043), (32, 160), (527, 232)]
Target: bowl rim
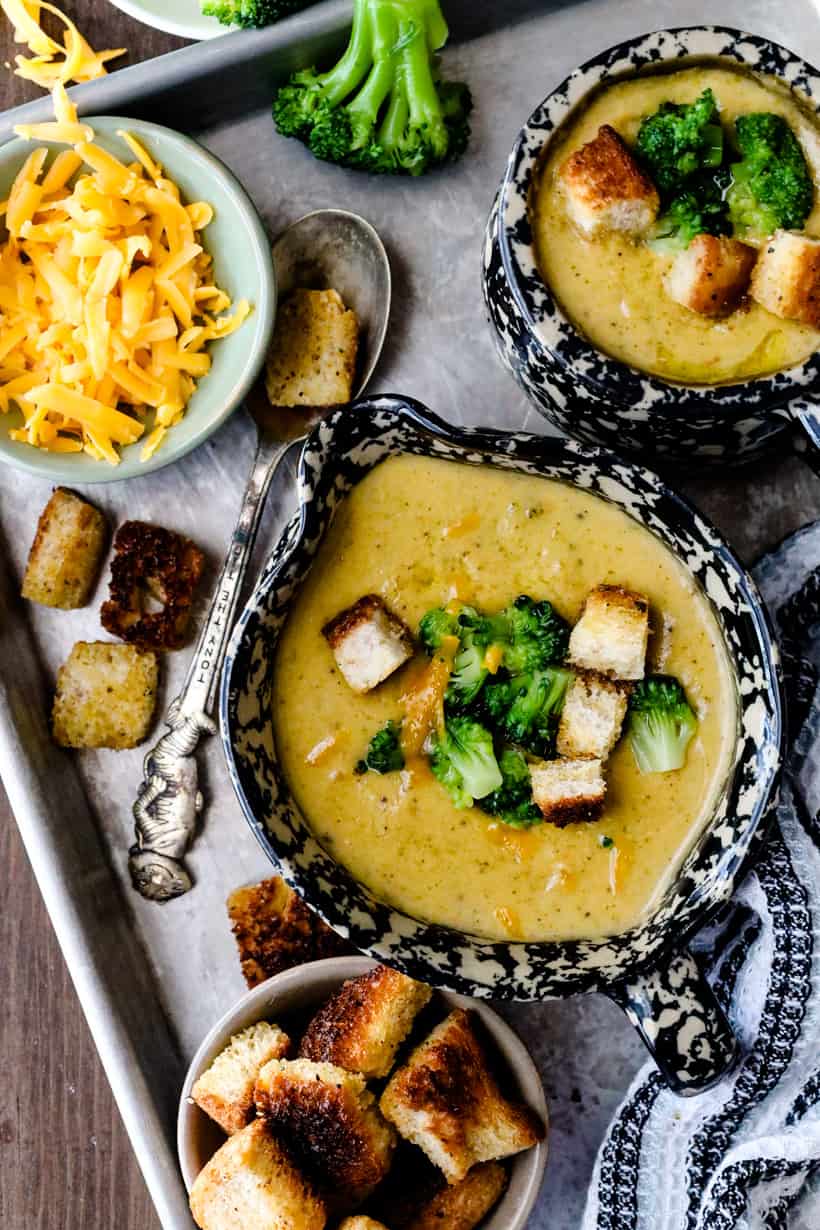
[(440, 955), (551, 331), (519, 1061), (262, 316)]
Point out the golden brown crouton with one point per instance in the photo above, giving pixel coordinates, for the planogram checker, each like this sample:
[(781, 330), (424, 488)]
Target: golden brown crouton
[(275, 930), (369, 643), (151, 565), (592, 717), (606, 189), (312, 356), (332, 1125), (361, 1027), (251, 1183), (612, 633), (225, 1089), (463, 1205), (361, 1223), (65, 556), (105, 696), (446, 1101), (568, 791), (786, 278), (711, 276)]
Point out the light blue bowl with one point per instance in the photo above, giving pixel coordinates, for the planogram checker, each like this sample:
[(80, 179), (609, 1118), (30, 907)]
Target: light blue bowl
[(241, 252)]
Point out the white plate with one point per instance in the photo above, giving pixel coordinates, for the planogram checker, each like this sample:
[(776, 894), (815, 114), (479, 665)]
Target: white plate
[(181, 17)]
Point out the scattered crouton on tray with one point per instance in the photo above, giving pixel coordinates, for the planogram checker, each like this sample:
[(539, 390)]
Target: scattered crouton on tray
[(312, 357), (446, 1100), (332, 1124), (361, 1027), (252, 1181), (275, 930), (225, 1089), (65, 556), (151, 567), (606, 189), (369, 643), (105, 697)]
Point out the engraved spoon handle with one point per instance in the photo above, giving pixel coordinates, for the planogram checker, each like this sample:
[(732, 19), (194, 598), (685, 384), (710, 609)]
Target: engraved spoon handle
[(199, 690), (168, 799)]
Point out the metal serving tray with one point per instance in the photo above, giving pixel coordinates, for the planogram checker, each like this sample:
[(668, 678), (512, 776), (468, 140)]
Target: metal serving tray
[(152, 979)]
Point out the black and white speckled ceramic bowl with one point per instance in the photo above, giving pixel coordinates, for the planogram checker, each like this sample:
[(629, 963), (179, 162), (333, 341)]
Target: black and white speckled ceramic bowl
[(645, 969), (579, 388)]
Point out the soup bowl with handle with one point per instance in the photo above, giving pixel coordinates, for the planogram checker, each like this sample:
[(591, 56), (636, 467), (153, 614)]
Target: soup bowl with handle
[(647, 969), (578, 387)]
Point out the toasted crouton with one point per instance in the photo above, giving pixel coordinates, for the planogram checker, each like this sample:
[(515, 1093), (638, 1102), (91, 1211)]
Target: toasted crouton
[(151, 565), (711, 275), (463, 1205), (105, 696), (65, 556), (568, 791), (361, 1027), (591, 719), (225, 1089), (606, 189), (369, 643), (251, 1183), (332, 1125), (361, 1223), (612, 634), (786, 278), (312, 356), (446, 1101), (275, 930)]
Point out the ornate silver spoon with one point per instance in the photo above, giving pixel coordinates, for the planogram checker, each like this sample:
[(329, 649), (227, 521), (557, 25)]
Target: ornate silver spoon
[(330, 248)]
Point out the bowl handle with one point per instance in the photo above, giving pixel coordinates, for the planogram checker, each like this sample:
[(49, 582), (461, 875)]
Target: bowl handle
[(806, 443), (685, 1029)]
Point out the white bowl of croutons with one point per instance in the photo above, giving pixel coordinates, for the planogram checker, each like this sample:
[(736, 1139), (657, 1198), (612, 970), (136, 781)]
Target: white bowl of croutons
[(342, 1093)]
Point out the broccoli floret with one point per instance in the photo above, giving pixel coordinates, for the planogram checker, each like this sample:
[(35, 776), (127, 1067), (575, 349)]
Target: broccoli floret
[(661, 724), (251, 12), (771, 184), (525, 709), (463, 760), (382, 108), (701, 209), (435, 625), (384, 755), (679, 141), (512, 801)]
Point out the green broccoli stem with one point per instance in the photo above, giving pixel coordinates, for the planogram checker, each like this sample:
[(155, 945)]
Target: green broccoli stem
[(355, 64), (422, 96)]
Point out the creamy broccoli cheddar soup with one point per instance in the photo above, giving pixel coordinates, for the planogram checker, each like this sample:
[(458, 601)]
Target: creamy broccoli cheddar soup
[(612, 287), (417, 531)]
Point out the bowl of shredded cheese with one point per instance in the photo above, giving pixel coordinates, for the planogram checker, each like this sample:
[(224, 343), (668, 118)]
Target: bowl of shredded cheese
[(137, 296)]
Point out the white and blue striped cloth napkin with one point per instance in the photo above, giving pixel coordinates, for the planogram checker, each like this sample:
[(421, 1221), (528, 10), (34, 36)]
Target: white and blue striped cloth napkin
[(746, 1155)]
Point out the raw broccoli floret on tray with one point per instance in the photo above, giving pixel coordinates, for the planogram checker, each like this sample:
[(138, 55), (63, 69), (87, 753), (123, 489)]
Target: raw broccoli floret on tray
[(383, 107), (251, 12)]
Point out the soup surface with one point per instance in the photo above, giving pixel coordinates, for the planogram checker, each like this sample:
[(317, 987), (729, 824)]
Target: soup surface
[(414, 530), (613, 289)]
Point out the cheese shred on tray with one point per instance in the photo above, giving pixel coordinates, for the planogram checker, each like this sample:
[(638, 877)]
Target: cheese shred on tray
[(107, 297)]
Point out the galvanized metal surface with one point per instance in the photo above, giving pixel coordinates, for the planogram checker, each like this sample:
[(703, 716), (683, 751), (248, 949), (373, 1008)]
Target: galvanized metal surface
[(153, 978)]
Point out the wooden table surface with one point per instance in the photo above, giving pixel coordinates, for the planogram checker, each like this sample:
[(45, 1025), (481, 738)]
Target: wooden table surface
[(65, 1160)]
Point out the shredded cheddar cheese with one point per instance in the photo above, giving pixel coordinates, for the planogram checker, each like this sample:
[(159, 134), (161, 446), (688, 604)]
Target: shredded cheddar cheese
[(107, 296), (53, 63)]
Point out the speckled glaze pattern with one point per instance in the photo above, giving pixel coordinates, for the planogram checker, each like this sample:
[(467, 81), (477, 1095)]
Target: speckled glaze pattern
[(338, 454), (579, 388)]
